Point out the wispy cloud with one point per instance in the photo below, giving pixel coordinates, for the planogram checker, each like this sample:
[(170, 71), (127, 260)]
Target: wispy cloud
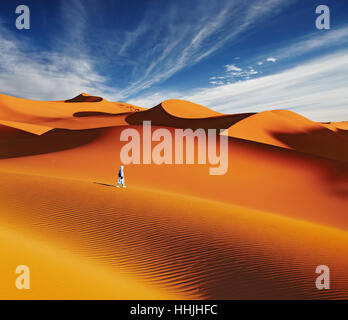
[(202, 30), (147, 53), (309, 43), (45, 75), (317, 40), (312, 43), (271, 59), (317, 89), (254, 13)]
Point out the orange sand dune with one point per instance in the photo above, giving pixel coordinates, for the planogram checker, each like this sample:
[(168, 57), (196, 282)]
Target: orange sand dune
[(341, 125), (61, 114), (187, 109), (290, 130), (40, 110), (195, 248), (259, 176), (18, 143), (26, 127), (184, 114), (57, 273), (84, 97), (336, 126), (259, 231)]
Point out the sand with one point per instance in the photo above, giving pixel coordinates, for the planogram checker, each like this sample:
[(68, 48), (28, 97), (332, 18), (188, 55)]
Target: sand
[(176, 232)]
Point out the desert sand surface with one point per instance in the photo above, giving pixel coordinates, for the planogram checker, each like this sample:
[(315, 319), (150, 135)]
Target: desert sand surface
[(259, 231)]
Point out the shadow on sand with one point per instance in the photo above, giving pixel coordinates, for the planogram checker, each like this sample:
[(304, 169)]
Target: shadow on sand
[(104, 184)]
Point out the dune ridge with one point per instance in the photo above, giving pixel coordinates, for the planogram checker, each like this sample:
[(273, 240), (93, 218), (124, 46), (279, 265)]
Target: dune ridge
[(184, 114), (84, 97), (288, 129), (26, 114)]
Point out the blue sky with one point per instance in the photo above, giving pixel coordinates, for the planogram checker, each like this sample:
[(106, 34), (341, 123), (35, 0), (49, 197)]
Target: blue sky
[(232, 56)]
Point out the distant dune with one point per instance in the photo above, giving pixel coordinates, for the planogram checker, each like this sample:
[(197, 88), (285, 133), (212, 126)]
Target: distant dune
[(84, 97), (288, 129), (259, 231), (187, 110), (46, 115), (184, 114), (336, 126)]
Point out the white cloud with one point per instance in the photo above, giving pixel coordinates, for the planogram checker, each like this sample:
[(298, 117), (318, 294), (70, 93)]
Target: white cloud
[(217, 83), (46, 76), (179, 39), (151, 100), (306, 44), (255, 12), (232, 67), (317, 89), (271, 59), (233, 73), (208, 28), (314, 41)]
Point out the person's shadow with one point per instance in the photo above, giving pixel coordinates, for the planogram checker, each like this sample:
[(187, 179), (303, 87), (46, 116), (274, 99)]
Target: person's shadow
[(104, 184)]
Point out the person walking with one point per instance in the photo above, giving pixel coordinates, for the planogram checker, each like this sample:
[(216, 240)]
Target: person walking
[(121, 177)]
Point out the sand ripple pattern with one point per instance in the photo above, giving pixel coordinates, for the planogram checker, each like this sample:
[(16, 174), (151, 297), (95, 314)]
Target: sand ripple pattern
[(183, 244)]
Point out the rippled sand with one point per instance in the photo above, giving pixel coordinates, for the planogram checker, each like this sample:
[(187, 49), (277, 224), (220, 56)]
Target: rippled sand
[(182, 246)]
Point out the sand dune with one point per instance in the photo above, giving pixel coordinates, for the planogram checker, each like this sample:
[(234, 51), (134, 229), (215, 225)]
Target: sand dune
[(312, 189), (58, 273), (18, 143), (187, 109), (27, 127), (258, 231), (84, 97), (211, 250), (62, 115), (184, 114), (288, 129), (336, 126)]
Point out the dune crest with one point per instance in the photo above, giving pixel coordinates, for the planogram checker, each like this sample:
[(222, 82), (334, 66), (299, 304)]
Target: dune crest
[(187, 109), (287, 129), (40, 116), (280, 128), (184, 114), (336, 126), (84, 97)]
